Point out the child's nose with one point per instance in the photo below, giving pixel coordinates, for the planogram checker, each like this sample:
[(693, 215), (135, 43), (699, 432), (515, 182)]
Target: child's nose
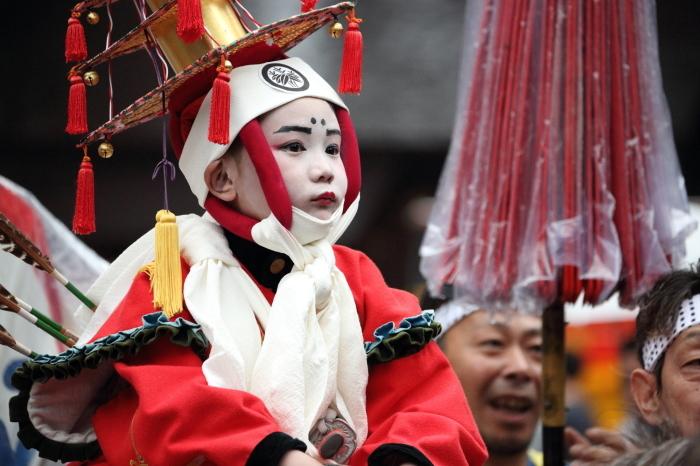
[(321, 169)]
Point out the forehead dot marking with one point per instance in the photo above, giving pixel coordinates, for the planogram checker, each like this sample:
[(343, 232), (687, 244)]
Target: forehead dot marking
[(313, 120), (323, 122)]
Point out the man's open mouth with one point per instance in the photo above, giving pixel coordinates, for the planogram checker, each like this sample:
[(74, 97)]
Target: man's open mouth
[(512, 404)]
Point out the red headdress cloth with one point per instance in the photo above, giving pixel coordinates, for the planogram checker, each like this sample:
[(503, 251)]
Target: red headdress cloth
[(254, 91)]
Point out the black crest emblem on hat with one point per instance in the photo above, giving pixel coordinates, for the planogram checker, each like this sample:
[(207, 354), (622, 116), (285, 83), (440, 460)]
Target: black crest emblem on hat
[(284, 77)]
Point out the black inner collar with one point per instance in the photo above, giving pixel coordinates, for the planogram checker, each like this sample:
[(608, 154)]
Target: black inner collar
[(268, 267)]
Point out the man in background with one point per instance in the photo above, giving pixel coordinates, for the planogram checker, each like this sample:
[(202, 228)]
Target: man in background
[(498, 359), (665, 387)]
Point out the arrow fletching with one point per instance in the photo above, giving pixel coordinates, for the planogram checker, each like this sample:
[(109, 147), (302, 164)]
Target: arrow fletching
[(15, 242), (7, 339), (8, 302)]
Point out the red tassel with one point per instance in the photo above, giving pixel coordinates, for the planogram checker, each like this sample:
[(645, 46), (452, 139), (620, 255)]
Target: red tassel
[(84, 218), (351, 68), (76, 49), (308, 5), (220, 108), (77, 107), (190, 25)]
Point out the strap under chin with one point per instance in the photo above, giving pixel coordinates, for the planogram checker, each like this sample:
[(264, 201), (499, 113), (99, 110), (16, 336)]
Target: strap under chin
[(268, 171), (350, 153), (232, 220), (272, 182)]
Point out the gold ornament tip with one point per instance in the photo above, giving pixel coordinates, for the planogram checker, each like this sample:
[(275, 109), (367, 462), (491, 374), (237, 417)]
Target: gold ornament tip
[(93, 18), (105, 150), (335, 30), (91, 78)]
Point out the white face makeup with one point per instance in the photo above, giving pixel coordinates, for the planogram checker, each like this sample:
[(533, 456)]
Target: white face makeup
[(304, 137)]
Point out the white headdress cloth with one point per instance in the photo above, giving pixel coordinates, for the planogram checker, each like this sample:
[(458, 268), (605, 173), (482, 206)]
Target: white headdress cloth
[(251, 96), (452, 312), (654, 347)]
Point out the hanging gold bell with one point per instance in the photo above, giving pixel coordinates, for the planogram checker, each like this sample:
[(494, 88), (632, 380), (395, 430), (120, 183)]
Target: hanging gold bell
[(93, 18), (91, 78), (105, 150), (335, 29), (229, 66)]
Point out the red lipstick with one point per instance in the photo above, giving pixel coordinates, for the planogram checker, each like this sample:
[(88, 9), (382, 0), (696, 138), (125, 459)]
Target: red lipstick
[(325, 198)]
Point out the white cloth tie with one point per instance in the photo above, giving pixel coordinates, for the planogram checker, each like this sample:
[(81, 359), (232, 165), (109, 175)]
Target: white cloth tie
[(312, 358), (313, 355)]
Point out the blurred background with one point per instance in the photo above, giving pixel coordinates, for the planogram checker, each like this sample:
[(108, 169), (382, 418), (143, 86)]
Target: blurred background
[(403, 117)]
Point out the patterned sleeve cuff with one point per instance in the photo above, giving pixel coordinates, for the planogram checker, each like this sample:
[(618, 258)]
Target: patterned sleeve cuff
[(271, 449), (395, 454), (412, 334)]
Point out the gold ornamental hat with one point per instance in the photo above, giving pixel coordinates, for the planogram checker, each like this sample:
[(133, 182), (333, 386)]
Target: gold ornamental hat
[(224, 34)]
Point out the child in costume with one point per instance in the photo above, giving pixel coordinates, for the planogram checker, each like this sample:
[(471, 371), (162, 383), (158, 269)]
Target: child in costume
[(284, 343)]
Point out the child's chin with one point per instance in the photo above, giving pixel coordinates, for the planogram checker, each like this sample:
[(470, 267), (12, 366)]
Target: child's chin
[(322, 215), (324, 212)]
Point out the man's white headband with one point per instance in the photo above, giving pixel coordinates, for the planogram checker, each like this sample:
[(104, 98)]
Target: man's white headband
[(655, 346), (452, 312)]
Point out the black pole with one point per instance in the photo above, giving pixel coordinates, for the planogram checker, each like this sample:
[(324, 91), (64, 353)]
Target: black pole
[(554, 377)]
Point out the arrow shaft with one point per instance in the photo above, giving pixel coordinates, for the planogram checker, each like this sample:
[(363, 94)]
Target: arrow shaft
[(53, 324), (54, 333), (32, 315), (70, 287)]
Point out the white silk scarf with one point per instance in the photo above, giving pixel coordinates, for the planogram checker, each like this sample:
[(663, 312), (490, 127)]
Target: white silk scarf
[(312, 357)]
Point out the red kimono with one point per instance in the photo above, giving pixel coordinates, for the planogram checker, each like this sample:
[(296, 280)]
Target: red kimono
[(168, 415)]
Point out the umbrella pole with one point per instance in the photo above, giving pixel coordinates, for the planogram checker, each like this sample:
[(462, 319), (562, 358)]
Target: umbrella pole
[(553, 378)]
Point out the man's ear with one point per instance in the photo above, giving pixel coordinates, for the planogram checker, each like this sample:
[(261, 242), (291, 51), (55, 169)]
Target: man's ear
[(646, 395), (220, 177)]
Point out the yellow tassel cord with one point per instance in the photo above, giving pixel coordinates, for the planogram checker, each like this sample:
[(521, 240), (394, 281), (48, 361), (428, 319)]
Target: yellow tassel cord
[(166, 279), (148, 270)]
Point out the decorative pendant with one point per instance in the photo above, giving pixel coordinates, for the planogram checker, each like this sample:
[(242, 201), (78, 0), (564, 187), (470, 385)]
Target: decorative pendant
[(337, 444), (335, 29), (105, 150), (91, 78), (93, 18)]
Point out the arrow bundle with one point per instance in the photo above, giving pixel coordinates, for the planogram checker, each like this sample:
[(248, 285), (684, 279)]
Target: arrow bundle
[(9, 302), (15, 242), (8, 340)]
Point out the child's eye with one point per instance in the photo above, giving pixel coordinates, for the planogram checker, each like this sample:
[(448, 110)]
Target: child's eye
[(293, 147), (333, 149)]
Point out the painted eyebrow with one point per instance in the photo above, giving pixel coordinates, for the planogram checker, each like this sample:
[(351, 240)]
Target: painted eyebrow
[(331, 132), (289, 129)]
